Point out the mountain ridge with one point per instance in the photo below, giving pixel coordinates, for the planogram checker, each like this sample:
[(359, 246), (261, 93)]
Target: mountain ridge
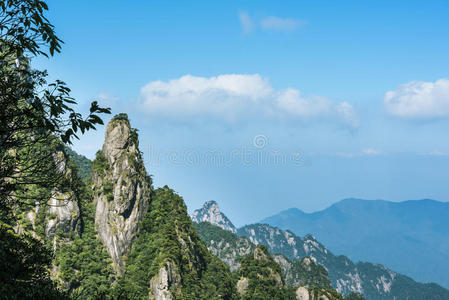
[(374, 280), (138, 242), (409, 236)]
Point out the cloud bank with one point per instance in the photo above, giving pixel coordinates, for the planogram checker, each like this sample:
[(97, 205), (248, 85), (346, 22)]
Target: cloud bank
[(234, 97), (419, 100)]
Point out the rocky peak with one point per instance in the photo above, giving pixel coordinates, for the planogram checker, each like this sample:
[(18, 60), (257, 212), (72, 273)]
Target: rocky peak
[(210, 212), (121, 189), (118, 139)]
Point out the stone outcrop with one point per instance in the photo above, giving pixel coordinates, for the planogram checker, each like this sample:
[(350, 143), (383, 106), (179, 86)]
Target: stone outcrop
[(167, 278), (63, 214), (63, 210), (302, 293), (121, 189), (242, 285), (210, 212)]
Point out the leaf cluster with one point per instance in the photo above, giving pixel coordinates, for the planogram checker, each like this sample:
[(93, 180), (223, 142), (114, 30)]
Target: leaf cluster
[(32, 111), (24, 267)]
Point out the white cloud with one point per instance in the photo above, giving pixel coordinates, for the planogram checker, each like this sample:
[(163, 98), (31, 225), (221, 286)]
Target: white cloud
[(293, 102), (438, 153), (364, 152), (419, 100), (246, 23), (270, 23), (281, 24), (347, 112), (237, 96), (370, 151), (107, 100)]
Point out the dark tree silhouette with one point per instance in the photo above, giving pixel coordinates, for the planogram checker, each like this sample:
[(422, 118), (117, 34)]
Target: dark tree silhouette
[(37, 119), (34, 114)]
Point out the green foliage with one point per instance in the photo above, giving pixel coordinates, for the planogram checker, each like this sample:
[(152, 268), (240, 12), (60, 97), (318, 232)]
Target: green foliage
[(57, 173), (84, 264), (24, 267), (108, 190), (32, 111), (100, 163), (121, 116), (354, 296), (227, 246), (209, 232), (134, 136), (25, 21), (166, 236), (331, 294), (264, 276), (83, 164), (307, 273), (304, 272)]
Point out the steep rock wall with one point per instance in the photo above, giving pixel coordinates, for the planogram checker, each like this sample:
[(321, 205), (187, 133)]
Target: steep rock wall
[(121, 189)]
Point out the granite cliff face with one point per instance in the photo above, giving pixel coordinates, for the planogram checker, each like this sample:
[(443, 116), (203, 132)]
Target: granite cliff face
[(165, 282), (121, 189), (210, 212), (63, 214)]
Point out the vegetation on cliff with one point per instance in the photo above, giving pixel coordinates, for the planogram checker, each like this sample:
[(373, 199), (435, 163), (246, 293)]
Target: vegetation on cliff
[(36, 119), (166, 235), (24, 272), (83, 163), (260, 277), (84, 267)]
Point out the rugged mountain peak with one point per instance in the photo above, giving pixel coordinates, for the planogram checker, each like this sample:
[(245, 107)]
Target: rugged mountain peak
[(121, 189), (118, 139), (210, 212)]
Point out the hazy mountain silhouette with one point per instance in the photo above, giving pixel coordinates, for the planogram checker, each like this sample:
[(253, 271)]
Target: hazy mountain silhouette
[(410, 237)]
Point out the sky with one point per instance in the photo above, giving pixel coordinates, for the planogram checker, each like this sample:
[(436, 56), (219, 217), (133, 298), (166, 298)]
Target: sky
[(266, 105)]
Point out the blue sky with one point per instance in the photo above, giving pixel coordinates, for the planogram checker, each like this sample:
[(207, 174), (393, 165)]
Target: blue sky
[(266, 105)]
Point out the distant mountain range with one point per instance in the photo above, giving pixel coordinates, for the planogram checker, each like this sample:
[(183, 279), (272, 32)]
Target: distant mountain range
[(410, 237), (374, 281)]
